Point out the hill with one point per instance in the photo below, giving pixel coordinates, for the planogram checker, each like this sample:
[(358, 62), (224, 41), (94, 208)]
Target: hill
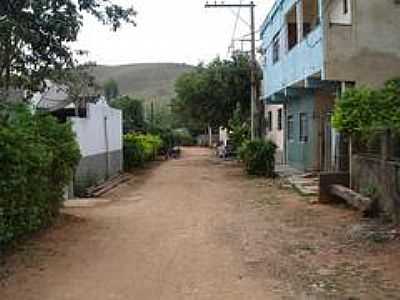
[(153, 81)]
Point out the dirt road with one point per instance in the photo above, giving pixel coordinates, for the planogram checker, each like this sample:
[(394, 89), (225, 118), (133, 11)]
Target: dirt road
[(197, 228)]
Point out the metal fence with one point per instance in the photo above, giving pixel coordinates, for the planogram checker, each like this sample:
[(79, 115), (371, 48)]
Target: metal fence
[(382, 144)]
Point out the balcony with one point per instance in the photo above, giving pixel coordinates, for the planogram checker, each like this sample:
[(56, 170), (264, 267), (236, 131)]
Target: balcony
[(293, 45), (304, 60)]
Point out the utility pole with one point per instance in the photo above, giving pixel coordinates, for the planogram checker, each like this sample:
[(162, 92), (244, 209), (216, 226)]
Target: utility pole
[(253, 66)]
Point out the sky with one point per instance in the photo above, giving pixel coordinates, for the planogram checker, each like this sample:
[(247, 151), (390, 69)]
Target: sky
[(178, 31)]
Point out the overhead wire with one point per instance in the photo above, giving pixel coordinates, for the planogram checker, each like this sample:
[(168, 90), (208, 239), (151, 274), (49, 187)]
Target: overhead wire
[(232, 46)]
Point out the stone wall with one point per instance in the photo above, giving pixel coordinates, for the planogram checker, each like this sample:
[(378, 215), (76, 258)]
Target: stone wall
[(374, 175)]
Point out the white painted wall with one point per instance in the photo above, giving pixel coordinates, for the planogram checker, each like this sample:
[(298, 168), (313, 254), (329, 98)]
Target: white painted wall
[(223, 136), (336, 14), (91, 132), (276, 135)]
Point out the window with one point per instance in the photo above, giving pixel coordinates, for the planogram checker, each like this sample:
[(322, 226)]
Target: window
[(310, 16), (345, 7), (291, 20), (275, 48), (290, 126), (303, 120), (280, 119), (269, 121)]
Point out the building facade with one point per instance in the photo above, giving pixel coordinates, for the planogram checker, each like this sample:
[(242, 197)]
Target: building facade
[(314, 50), (99, 136), (275, 126)]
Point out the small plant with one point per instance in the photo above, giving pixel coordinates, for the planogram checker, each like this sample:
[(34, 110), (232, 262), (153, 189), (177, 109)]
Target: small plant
[(239, 130), (259, 157)]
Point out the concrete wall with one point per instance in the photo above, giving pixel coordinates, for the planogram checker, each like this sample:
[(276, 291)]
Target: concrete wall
[(370, 174), (100, 140), (365, 48), (276, 135)]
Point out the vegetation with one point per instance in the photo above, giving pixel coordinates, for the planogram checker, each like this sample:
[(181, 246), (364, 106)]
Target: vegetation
[(259, 157), (36, 36), (133, 113), (37, 157), (209, 95), (111, 90), (140, 148), (239, 131), (363, 111)]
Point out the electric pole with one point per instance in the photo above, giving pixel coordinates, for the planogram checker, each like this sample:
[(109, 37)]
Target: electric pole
[(253, 62)]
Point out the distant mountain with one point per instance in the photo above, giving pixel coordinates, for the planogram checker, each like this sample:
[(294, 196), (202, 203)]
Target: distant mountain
[(153, 81)]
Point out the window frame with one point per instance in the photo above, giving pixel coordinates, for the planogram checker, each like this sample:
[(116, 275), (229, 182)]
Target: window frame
[(345, 7), (304, 128), (290, 128), (269, 121), (276, 48), (280, 119)]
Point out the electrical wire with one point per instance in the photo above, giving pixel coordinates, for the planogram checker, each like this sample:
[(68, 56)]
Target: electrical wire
[(232, 46)]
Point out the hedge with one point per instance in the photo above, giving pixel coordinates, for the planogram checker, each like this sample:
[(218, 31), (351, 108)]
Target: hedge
[(139, 148), (38, 156)]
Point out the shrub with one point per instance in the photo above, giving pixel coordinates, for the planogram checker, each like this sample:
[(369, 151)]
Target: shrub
[(259, 157), (362, 111), (239, 130), (38, 156), (139, 148), (182, 137)]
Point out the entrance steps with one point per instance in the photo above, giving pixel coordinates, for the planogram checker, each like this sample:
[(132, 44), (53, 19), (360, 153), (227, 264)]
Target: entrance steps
[(307, 184)]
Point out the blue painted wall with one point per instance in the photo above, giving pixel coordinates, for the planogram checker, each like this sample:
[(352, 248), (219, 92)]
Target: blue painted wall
[(302, 61), (301, 155)]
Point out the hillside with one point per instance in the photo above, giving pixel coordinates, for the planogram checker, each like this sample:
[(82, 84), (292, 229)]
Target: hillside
[(149, 81)]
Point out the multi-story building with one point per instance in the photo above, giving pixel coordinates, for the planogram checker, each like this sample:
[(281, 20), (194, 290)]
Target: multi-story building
[(313, 50)]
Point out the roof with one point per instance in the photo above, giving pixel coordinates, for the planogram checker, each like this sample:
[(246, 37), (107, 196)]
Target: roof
[(54, 97)]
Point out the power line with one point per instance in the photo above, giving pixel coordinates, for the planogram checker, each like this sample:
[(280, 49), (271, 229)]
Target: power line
[(251, 6), (235, 29)]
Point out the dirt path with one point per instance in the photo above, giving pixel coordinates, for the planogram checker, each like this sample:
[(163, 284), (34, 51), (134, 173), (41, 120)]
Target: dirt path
[(196, 228)]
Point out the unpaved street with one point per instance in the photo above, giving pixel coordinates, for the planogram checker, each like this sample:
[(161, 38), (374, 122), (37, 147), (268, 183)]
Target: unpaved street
[(197, 228)]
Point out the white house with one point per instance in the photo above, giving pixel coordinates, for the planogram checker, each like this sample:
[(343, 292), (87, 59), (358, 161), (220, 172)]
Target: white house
[(99, 133)]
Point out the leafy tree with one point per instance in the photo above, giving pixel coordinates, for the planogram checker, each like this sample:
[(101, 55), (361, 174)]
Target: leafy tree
[(209, 95), (111, 89), (133, 113), (35, 36), (240, 130)]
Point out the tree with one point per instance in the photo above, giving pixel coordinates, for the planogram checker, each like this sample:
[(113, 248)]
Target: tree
[(240, 131), (209, 95), (363, 111), (35, 36), (111, 90), (133, 113)]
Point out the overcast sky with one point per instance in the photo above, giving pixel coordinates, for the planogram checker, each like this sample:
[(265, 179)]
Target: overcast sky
[(180, 31)]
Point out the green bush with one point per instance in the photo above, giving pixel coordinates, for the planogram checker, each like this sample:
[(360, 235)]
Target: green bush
[(259, 157), (362, 111), (140, 148), (38, 156), (182, 137)]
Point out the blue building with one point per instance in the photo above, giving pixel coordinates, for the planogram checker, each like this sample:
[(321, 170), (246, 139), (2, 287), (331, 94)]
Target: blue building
[(312, 51)]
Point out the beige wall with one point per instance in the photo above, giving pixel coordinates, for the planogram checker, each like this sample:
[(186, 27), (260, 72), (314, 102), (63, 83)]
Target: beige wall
[(365, 50), (276, 135)]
